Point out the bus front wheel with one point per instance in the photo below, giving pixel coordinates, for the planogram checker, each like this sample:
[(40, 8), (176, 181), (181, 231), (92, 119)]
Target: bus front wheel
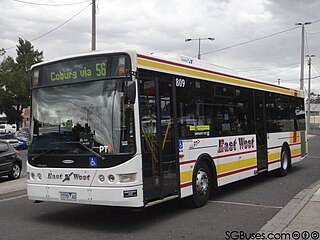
[(201, 184)]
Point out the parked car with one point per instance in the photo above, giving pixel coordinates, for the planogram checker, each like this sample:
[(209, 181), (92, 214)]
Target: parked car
[(8, 128), (11, 139), (23, 143), (10, 161)]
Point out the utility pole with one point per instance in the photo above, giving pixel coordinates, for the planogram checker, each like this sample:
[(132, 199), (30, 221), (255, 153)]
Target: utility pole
[(93, 46), (302, 53), (309, 89)]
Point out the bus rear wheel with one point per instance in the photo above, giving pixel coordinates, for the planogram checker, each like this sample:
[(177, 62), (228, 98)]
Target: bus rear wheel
[(201, 184), (285, 162)]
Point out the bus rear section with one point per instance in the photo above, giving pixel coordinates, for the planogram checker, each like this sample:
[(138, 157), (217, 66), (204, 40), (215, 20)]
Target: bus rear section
[(223, 128)]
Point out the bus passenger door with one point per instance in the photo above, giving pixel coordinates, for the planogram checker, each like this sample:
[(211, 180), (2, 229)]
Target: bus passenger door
[(260, 130), (159, 150)]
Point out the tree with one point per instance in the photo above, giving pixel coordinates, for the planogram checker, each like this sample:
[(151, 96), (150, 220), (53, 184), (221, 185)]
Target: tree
[(15, 78)]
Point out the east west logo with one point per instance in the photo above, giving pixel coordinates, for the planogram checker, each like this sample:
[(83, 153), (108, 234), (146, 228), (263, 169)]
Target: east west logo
[(69, 177), (238, 144)]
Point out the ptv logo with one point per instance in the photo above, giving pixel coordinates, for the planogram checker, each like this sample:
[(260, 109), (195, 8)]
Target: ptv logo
[(105, 149)]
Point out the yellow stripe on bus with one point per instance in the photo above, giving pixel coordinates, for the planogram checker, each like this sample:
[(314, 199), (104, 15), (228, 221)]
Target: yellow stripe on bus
[(296, 151), (222, 168), (274, 156), (225, 79), (186, 176), (277, 155), (236, 165)]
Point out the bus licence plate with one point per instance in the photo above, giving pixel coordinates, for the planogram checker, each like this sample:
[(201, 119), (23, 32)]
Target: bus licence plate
[(68, 196)]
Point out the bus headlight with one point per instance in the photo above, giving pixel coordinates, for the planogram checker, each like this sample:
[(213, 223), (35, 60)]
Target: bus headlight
[(39, 176), (125, 178), (32, 176), (101, 178), (111, 178)]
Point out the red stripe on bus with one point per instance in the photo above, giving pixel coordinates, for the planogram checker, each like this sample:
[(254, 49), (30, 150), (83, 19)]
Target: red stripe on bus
[(274, 161), (234, 154), (236, 171), (295, 136), (292, 144), (216, 157), (209, 71), (183, 185), (295, 156), (187, 162)]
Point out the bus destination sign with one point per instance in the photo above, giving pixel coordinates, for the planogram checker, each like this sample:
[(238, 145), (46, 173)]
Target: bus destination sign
[(75, 71), (81, 69)]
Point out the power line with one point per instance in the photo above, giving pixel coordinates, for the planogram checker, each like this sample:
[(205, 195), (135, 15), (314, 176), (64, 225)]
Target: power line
[(288, 69), (265, 68), (50, 5), (256, 39), (32, 40), (313, 32), (250, 41), (315, 68)]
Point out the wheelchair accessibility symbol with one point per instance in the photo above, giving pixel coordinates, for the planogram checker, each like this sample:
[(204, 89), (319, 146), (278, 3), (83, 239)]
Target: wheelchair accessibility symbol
[(93, 162)]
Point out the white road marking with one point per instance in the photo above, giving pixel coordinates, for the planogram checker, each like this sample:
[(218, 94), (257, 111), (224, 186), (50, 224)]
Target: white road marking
[(246, 204), (12, 198)]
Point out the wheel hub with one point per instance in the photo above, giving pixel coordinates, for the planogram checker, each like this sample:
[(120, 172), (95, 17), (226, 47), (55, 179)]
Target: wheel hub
[(202, 182)]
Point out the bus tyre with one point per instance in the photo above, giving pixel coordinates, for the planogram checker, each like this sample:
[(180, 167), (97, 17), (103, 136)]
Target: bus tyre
[(285, 162), (15, 171), (201, 184)]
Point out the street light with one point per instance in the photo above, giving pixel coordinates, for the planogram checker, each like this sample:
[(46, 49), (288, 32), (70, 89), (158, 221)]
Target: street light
[(199, 39), (309, 87), (302, 53)]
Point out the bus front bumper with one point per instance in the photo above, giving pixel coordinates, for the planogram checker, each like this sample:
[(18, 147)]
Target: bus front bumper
[(109, 196)]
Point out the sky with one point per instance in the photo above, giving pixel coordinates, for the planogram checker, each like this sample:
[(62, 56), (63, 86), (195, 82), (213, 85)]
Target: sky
[(257, 38)]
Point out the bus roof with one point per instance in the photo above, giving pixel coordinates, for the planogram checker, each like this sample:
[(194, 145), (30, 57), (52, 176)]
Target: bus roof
[(189, 67)]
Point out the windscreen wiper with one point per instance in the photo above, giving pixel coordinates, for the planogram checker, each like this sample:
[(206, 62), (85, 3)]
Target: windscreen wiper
[(89, 149), (35, 157)]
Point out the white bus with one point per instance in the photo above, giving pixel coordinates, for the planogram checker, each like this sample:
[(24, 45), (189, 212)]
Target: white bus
[(133, 130)]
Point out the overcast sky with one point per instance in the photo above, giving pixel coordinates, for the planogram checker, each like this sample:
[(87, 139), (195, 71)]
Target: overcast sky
[(163, 25)]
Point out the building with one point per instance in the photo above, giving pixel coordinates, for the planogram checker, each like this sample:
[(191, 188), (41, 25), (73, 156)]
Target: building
[(26, 117)]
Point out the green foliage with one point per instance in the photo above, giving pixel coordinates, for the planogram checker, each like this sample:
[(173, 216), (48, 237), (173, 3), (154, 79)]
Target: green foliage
[(15, 78)]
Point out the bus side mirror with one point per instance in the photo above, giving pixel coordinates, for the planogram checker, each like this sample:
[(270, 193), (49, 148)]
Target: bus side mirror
[(130, 93)]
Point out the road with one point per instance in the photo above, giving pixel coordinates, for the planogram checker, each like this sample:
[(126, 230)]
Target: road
[(243, 206)]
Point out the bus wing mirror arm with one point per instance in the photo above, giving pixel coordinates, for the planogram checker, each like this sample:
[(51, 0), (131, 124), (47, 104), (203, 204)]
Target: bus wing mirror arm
[(130, 88), (130, 93)]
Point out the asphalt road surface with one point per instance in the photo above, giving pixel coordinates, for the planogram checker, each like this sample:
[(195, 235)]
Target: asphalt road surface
[(244, 206)]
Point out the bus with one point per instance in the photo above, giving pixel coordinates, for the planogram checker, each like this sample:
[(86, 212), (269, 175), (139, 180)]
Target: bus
[(133, 130)]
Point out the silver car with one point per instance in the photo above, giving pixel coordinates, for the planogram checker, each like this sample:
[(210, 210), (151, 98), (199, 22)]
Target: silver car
[(11, 139)]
